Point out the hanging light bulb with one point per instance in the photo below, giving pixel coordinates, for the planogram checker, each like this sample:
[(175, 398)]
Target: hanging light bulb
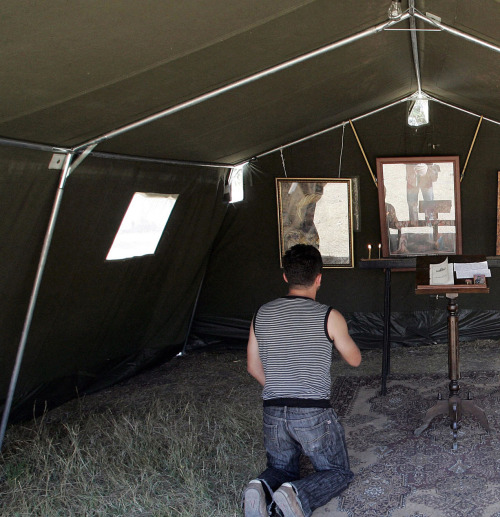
[(395, 12), (418, 112)]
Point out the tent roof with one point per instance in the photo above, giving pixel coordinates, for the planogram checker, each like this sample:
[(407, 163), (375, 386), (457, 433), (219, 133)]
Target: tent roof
[(74, 71)]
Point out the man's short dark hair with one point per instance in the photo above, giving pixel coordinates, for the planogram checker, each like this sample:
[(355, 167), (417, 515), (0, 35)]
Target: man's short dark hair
[(302, 263)]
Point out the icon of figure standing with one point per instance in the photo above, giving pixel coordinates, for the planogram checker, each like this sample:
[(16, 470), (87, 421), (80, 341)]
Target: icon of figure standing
[(419, 178)]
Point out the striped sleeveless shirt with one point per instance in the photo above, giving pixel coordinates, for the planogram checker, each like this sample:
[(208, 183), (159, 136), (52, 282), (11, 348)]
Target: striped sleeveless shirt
[(295, 348)]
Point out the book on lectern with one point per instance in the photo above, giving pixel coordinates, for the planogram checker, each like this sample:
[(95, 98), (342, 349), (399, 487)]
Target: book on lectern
[(441, 274)]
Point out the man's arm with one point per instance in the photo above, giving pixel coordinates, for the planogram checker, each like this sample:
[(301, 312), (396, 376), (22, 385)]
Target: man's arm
[(338, 331), (254, 364)]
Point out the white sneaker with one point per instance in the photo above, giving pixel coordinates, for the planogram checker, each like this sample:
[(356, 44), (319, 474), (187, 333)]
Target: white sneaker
[(287, 501), (255, 500)]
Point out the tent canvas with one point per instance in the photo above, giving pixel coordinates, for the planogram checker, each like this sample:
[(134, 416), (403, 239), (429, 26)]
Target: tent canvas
[(174, 94)]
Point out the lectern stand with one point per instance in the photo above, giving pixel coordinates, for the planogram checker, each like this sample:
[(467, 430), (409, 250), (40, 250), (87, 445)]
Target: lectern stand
[(455, 406)]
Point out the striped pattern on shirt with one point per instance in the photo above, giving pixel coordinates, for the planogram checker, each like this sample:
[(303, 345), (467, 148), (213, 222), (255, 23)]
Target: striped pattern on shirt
[(295, 348)]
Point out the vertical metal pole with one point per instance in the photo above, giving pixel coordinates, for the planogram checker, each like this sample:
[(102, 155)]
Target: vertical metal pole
[(386, 346), (34, 295)]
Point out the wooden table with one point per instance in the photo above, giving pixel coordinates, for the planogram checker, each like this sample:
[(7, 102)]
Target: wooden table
[(455, 406), (389, 264)]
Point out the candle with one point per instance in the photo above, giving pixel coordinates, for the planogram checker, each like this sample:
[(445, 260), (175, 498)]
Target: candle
[(379, 247), (369, 251)]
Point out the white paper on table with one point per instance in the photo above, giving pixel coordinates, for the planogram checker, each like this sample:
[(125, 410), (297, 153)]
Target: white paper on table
[(441, 274), (469, 269)]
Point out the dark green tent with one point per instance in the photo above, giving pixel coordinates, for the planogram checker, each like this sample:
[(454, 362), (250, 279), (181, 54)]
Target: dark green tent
[(103, 99)]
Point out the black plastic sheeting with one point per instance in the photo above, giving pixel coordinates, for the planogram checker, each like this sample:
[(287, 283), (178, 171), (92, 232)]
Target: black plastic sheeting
[(407, 329), (220, 332), (422, 327)]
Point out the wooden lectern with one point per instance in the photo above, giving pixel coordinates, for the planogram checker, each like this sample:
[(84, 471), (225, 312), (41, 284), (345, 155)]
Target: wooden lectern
[(455, 406)]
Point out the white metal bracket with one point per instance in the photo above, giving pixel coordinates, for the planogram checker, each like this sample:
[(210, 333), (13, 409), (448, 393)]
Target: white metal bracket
[(57, 161)]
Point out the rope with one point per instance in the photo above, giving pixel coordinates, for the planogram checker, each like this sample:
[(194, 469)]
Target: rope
[(341, 149), (470, 150), (283, 162), (364, 155)]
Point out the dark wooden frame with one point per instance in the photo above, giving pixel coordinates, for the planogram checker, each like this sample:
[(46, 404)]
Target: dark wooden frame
[(431, 210)]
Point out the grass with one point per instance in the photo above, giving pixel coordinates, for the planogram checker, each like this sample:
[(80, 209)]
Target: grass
[(167, 452), (180, 441)]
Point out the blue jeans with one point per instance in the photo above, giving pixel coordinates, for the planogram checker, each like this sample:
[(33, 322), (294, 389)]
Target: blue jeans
[(315, 432), (412, 199)]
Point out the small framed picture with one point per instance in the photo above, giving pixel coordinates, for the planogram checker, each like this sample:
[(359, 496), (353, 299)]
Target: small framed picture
[(317, 211), (479, 279)]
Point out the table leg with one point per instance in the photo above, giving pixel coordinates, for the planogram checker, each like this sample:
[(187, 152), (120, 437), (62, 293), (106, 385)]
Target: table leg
[(386, 345), (453, 347), (454, 406)]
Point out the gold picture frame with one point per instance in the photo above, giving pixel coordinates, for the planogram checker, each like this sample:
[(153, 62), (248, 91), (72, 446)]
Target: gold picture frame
[(317, 211)]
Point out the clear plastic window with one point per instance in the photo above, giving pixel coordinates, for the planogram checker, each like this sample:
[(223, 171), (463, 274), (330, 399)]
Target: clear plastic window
[(142, 226)]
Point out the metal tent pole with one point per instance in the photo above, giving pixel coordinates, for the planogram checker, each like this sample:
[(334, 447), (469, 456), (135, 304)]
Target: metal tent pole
[(163, 161), (456, 32), (242, 82), (434, 99), (10, 142), (337, 126), (332, 128), (30, 145), (414, 45), (34, 295)]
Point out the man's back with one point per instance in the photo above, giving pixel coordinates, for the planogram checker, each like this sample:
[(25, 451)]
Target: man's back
[(295, 348)]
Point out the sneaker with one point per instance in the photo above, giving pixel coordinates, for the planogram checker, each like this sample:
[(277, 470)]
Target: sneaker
[(255, 500), (286, 499)]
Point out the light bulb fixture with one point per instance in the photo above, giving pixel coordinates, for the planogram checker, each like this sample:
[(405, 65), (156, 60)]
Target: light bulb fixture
[(418, 111), (234, 189), (395, 12)]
